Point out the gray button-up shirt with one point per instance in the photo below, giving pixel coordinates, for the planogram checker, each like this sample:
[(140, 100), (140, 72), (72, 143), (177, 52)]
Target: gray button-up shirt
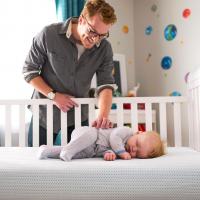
[(54, 57)]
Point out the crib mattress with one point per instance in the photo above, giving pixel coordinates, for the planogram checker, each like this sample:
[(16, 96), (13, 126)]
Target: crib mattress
[(173, 176)]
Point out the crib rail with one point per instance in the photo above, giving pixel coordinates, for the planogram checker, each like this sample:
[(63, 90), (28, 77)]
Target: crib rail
[(194, 109), (133, 101)]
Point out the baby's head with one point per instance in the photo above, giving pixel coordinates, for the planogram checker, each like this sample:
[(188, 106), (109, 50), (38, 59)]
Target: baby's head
[(145, 145)]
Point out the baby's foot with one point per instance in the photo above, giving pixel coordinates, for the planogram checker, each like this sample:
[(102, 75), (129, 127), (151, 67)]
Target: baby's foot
[(64, 156), (49, 152)]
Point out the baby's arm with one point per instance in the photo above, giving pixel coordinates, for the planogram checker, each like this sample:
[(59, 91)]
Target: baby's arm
[(118, 139)]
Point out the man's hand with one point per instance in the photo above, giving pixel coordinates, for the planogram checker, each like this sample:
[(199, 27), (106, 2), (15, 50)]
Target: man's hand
[(102, 122), (64, 102), (109, 156), (125, 156), (104, 105)]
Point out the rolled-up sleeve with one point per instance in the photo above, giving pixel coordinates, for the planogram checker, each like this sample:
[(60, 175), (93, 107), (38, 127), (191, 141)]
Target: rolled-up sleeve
[(104, 74), (113, 87), (35, 58)]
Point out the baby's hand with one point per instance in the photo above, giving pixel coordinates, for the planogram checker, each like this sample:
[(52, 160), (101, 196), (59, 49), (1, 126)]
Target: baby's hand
[(109, 156), (125, 156)]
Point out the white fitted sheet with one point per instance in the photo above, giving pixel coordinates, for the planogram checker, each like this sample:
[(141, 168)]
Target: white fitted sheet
[(173, 176)]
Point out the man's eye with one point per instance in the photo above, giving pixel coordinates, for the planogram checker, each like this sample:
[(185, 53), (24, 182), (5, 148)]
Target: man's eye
[(91, 31)]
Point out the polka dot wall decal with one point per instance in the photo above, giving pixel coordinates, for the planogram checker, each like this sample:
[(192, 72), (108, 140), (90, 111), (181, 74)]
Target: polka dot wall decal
[(166, 62), (130, 62), (175, 94), (148, 57), (186, 13), (170, 32), (154, 8), (165, 75), (148, 30), (125, 29)]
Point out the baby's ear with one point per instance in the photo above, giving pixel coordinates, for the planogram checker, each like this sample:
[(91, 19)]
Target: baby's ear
[(136, 133)]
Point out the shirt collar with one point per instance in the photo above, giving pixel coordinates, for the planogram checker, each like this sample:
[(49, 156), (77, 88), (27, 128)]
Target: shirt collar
[(66, 28), (69, 30)]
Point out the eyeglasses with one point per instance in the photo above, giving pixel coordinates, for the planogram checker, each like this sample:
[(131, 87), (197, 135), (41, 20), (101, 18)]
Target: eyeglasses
[(92, 33)]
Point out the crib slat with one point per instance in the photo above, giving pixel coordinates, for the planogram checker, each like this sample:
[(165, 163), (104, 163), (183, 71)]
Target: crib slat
[(49, 124), (134, 117), (63, 128), (177, 124), (163, 121), (8, 141), (148, 115), (78, 116), (196, 119), (22, 139), (191, 113), (91, 113), (191, 119), (120, 114), (35, 125)]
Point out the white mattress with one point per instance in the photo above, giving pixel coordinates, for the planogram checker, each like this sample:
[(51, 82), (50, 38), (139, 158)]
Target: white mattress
[(173, 176)]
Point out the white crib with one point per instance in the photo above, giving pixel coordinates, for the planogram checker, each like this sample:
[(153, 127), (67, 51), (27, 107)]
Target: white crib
[(175, 175), (134, 113)]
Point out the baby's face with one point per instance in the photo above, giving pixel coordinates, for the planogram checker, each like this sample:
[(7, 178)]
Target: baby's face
[(140, 145)]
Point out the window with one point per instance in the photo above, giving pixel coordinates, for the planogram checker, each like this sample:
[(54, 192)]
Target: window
[(20, 21)]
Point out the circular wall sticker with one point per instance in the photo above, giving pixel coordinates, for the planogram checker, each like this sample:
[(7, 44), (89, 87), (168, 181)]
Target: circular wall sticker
[(154, 8), (125, 29), (166, 63), (170, 32), (148, 30), (186, 13)]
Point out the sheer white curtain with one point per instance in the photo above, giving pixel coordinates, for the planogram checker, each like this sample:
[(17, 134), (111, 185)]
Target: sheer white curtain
[(20, 21)]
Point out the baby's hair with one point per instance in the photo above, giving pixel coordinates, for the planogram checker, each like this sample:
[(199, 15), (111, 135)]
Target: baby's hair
[(159, 147)]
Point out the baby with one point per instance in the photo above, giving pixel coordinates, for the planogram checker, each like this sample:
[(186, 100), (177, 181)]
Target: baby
[(88, 142)]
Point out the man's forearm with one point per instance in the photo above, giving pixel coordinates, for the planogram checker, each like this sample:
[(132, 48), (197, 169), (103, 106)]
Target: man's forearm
[(40, 85), (105, 102)]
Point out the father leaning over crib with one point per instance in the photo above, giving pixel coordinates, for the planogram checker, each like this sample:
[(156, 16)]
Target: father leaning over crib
[(62, 61)]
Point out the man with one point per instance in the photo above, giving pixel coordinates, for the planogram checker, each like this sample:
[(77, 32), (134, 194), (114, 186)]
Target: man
[(62, 61)]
